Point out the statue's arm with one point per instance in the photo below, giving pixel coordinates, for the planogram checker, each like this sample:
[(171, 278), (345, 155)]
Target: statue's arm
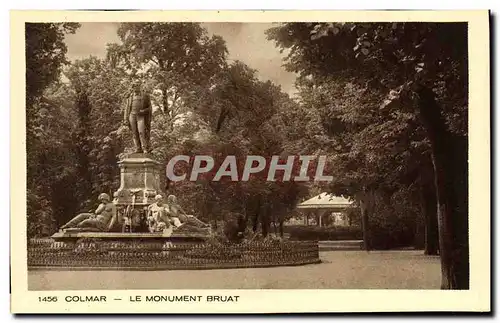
[(147, 108), (99, 209), (181, 210), (148, 102)]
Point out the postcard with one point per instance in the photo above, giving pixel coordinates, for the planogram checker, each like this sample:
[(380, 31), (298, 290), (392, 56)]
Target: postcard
[(250, 161)]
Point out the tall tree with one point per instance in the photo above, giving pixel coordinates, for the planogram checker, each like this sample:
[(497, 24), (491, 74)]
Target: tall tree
[(98, 91), (45, 54), (46, 120), (242, 116), (420, 66), (176, 59)]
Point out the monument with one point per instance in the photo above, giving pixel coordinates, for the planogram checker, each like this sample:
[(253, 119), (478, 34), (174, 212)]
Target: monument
[(139, 184), (136, 200), (138, 114)]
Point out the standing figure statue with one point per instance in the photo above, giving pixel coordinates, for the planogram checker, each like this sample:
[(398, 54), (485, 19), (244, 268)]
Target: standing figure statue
[(101, 220), (138, 115)]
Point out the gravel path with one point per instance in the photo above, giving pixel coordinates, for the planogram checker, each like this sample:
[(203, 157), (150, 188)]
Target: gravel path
[(339, 270)]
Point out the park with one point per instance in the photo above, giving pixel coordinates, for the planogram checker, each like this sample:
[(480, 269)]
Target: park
[(135, 151)]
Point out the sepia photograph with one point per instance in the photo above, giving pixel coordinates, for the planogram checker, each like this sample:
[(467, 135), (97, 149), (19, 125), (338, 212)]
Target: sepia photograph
[(230, 155)]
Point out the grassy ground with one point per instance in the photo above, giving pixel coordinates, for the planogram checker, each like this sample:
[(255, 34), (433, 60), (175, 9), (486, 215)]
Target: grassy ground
[(339, 270)]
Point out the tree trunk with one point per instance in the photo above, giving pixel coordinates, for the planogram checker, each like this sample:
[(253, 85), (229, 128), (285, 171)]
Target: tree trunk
[(265, 225), (265, 220), (220, 120), (166, 108), (255, 222), (365, 223), (281, 228), (429, 209), (83, 147), (255, 218), (449, 157)]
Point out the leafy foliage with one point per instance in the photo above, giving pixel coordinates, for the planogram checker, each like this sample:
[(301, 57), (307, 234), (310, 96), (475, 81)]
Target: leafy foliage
[(45, 54), (356, 81), (176, 61), (46, 123), (406, 86), (202, 105)]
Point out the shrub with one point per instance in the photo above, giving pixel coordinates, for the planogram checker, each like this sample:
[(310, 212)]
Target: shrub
[(390, 231), (303, 233), (234, 228)]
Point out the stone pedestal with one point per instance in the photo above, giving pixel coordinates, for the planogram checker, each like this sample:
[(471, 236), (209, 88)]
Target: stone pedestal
[(139, 180), (139, 184)]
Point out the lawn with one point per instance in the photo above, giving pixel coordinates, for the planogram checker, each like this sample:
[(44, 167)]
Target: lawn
[(407, 269)]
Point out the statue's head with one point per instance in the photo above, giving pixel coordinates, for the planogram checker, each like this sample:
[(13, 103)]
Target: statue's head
[(137, 86), (171, 199), (103, 197), (158, 199)]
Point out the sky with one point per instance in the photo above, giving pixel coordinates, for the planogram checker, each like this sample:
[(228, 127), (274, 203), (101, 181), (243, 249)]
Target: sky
[(245, 42)]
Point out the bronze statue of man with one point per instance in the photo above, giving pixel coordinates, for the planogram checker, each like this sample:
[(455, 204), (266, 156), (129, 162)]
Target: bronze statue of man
[(138, 115)]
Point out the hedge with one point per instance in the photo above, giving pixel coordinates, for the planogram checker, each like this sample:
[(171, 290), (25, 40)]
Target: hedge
[(382, 237), (308, 233), (100, 254)]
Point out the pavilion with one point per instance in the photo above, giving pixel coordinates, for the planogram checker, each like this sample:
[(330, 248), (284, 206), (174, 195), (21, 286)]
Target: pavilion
[(323, 205)]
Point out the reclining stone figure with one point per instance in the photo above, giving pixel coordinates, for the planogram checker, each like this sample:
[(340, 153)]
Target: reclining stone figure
[(179, 217), (101, 220)]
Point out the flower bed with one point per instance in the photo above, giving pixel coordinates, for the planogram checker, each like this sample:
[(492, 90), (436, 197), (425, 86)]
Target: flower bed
[(98, 254)]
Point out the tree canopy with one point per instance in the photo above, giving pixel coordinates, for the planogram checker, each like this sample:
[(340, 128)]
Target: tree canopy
[(388, 96), (385, 102), (203, 105)]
